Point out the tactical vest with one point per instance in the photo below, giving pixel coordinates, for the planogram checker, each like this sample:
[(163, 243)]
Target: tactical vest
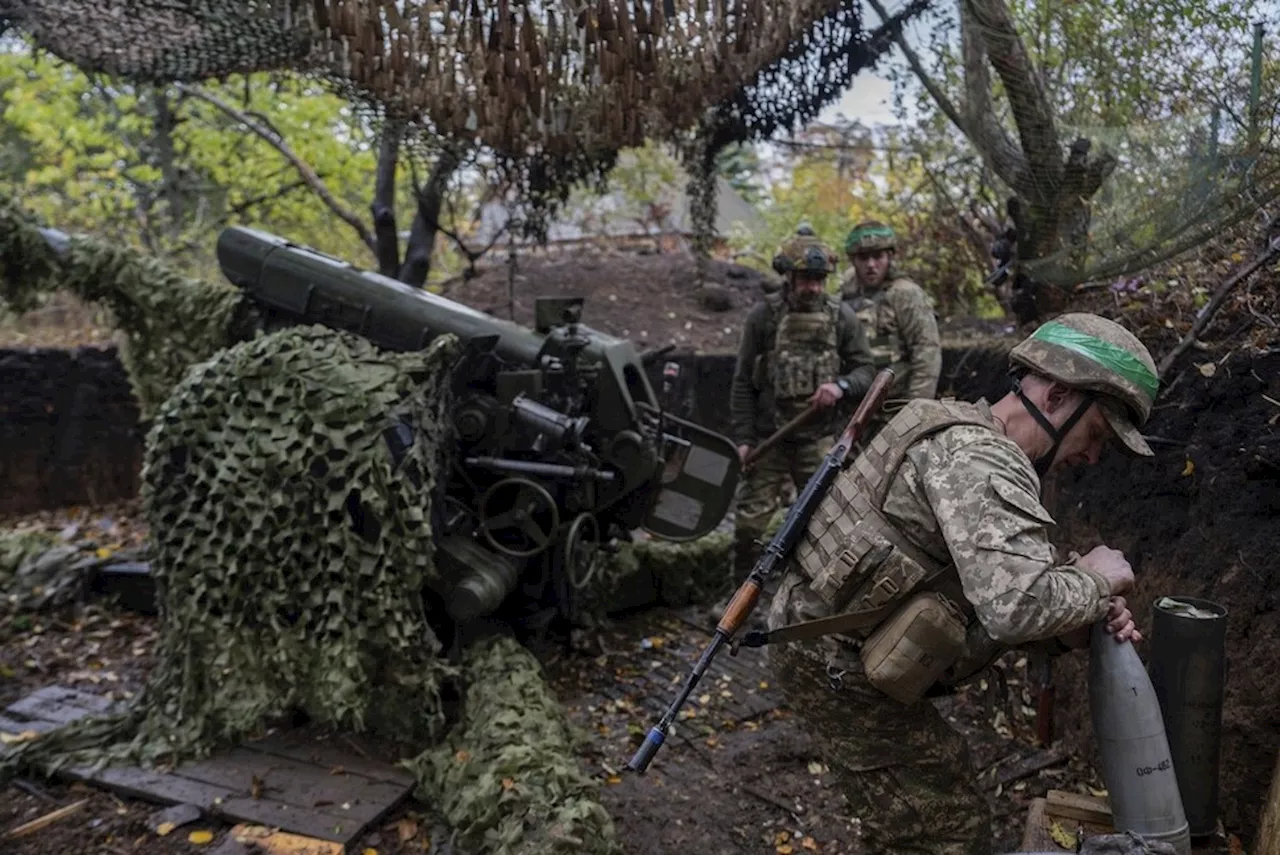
[(855, 558), (883, 340), (804, 353)]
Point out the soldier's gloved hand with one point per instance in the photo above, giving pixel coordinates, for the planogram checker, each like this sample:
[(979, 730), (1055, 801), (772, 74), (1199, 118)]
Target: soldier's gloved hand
[(827, 394), (1120, 621), (1113, 566), (743, 451)]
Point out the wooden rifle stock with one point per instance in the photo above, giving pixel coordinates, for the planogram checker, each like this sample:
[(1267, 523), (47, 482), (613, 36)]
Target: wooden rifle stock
[(778, 550)]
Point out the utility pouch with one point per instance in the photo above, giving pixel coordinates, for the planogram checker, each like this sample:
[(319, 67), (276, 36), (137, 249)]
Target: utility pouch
[(865, 570), (907, 653)]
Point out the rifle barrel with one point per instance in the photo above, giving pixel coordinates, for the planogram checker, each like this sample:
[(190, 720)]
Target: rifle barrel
[(744, 601)]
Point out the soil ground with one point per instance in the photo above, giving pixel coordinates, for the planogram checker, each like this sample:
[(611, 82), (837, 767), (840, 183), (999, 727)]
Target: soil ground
[(740, 776)]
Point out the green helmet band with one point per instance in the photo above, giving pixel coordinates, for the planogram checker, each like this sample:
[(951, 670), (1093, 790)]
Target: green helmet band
[(1104, 353)]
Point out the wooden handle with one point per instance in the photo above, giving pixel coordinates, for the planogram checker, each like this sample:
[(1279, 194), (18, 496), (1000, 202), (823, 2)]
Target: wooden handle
[(739, 607), (779, 434)]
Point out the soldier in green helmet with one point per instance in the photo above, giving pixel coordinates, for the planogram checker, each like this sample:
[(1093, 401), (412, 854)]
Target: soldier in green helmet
[(895, 312), (799, 346), (931, 554)]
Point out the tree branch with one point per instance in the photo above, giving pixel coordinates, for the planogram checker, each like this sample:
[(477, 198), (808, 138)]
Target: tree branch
[(308, 174), (384, 201), (422, 234), (1211, 308), (1032, 112), (960, 120), (988, 135)]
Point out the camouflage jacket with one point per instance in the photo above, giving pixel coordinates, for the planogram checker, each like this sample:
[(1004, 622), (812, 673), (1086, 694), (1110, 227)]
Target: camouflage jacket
[(753, 410), (969, 494), (901, 330)]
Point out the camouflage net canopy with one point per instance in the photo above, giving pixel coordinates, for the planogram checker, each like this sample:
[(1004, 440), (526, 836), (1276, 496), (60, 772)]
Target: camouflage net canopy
[(554, 89), (170, 322)]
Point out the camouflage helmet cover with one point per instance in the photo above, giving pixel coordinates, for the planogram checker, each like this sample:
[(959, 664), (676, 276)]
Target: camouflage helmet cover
[(804, 253), (1094, 354), (870, 236)]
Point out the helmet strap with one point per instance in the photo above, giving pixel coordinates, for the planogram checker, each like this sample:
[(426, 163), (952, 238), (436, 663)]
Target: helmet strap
[(1044, 461)]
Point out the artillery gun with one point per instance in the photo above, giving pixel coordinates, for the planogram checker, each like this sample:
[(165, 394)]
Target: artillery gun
[(560, 446)]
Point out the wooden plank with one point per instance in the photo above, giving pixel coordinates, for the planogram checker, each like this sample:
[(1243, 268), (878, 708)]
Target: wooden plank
[(58, 704), (1074, 806), (330, 751), (229, 803), (8, 725), (300, 785), (1269, 822), (1034, 834)]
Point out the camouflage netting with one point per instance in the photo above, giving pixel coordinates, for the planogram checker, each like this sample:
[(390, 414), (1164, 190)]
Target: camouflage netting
[(41, 571), (170, 321), (647, 570), (289, 550), (554, 90), (506, 778)]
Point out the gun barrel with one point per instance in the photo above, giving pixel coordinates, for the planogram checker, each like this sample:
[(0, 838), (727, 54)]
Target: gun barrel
[(318, 288)]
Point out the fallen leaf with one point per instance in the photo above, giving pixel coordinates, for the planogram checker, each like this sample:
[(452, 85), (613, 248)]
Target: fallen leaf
[(462, 756), (1062, 837), (704, 699), (781, 837), (764, 684), (15, 738), (809, 843), (784, 849), (407, 829), (200, 837), (508, 783), (1208, 369), (103, 552), (815, 768), (369, 851), (164, 828), (1189, 469), (255, 787), (613, 779)]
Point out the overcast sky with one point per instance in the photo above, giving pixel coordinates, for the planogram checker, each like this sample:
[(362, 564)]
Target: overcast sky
[(869, 99)]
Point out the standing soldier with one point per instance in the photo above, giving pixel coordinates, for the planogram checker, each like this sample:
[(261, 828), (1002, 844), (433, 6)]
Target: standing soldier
[(896, 314), (799, 346)]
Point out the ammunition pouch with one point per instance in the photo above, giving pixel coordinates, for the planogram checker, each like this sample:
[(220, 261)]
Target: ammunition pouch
[(908, 652)]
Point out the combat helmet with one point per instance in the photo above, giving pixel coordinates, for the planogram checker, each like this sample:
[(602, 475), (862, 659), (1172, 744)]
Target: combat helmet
[(1097, 356), (870, 236), (804, 252)]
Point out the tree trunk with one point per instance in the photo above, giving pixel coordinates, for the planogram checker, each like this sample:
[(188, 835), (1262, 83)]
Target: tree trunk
[(426, 223), (383, 208)]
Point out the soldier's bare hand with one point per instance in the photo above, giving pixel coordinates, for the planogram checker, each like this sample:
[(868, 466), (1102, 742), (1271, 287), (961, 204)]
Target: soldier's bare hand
[(743, 451), (827, 394), (1113, 566), (1120, 621)]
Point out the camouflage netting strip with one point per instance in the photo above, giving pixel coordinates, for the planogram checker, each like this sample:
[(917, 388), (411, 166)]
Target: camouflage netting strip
[(170, 321), (289, 551), (506, 778), (698, 572)]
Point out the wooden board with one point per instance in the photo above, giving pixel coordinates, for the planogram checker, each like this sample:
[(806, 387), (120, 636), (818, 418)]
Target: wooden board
[(1074, 812), (318, 785)]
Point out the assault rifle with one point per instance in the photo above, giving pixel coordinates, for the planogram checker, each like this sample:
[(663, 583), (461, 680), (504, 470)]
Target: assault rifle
[(778, 550)]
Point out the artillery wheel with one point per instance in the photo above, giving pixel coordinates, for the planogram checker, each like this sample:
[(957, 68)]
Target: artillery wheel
[(582, 551), (518, 517)]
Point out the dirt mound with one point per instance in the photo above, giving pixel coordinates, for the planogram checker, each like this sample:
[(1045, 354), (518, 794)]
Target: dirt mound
[(653, 300), (1200, 520)]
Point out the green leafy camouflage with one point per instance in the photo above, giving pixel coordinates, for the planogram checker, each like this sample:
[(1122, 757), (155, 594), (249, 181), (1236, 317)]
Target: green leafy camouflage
[(170, 321), (506, 778)]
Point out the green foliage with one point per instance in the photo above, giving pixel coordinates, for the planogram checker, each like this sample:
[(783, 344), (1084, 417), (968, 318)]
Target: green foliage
[(844, 175)]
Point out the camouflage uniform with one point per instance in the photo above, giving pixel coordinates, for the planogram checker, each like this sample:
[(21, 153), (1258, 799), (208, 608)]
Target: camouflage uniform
[(941, 500), (898, 317), (784, 355)]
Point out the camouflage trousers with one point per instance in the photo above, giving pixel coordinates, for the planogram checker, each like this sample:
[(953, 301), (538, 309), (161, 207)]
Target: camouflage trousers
[(905, 772), (764, 488)]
